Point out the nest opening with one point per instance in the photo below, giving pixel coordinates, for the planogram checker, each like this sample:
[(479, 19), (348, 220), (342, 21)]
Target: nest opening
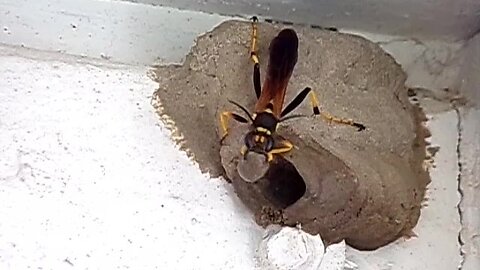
[(285, 184)]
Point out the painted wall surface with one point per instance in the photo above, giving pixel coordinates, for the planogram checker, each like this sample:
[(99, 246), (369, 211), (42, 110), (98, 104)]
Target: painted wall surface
[(446, 19), (112, 30)]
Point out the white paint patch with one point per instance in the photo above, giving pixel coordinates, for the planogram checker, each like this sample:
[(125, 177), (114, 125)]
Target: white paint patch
[(89, 179), (293, 249)]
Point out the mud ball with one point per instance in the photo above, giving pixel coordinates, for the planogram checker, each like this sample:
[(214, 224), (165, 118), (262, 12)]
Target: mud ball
[(252, 167)]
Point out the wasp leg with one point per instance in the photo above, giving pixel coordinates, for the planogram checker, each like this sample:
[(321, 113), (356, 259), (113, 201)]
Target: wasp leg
[(225, 117), (256, 80), (284, 146), (254, 57), (314, 102), (330, 118), (296, 101), (253, 45)]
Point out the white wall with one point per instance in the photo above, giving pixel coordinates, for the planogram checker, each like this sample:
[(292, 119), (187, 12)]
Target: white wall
[(450, 19), (117, 31)]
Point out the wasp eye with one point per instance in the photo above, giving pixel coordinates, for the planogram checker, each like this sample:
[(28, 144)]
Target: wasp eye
[(250, 141)]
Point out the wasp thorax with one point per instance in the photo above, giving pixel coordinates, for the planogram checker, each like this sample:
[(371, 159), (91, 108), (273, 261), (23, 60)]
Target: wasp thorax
[(266, 120)]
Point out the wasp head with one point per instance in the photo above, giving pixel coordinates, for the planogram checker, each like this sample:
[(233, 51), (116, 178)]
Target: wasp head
[(259, 142)]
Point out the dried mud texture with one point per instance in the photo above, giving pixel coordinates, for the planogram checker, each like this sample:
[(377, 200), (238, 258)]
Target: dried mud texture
[(365, 187)]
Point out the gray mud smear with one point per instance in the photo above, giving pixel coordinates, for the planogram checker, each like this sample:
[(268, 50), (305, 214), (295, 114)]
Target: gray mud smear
[(365, 187)]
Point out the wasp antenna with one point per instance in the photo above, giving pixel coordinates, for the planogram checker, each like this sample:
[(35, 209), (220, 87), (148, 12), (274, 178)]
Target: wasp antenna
[(242, 108)]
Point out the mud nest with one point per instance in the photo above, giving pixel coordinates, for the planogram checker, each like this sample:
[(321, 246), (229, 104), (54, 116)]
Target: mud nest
[(365, 187)]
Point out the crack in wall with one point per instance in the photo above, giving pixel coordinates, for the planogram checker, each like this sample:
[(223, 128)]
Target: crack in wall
[(459, 186)]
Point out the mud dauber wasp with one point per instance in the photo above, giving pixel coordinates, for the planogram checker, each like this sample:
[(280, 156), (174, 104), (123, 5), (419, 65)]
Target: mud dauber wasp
[(269, 111)]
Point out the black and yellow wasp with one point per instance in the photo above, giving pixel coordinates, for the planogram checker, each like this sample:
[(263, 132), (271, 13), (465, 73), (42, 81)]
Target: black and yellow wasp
[(269, 111)]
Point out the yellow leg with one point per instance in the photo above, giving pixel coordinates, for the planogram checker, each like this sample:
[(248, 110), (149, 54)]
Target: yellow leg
[(253, 46), (243, 150), (314, 100), (224, 118), (330, 118), (285, 147)]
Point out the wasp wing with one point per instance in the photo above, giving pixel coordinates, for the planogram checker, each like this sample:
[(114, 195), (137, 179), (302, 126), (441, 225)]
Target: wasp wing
[(283, 57)]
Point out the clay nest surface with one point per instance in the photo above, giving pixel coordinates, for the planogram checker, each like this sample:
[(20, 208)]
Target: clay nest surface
[(365, 187)]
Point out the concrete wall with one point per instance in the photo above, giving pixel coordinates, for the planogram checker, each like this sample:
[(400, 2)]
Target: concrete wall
[(446, 19), (469, 85), (120, 31), (112, 30), (469, 78)]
